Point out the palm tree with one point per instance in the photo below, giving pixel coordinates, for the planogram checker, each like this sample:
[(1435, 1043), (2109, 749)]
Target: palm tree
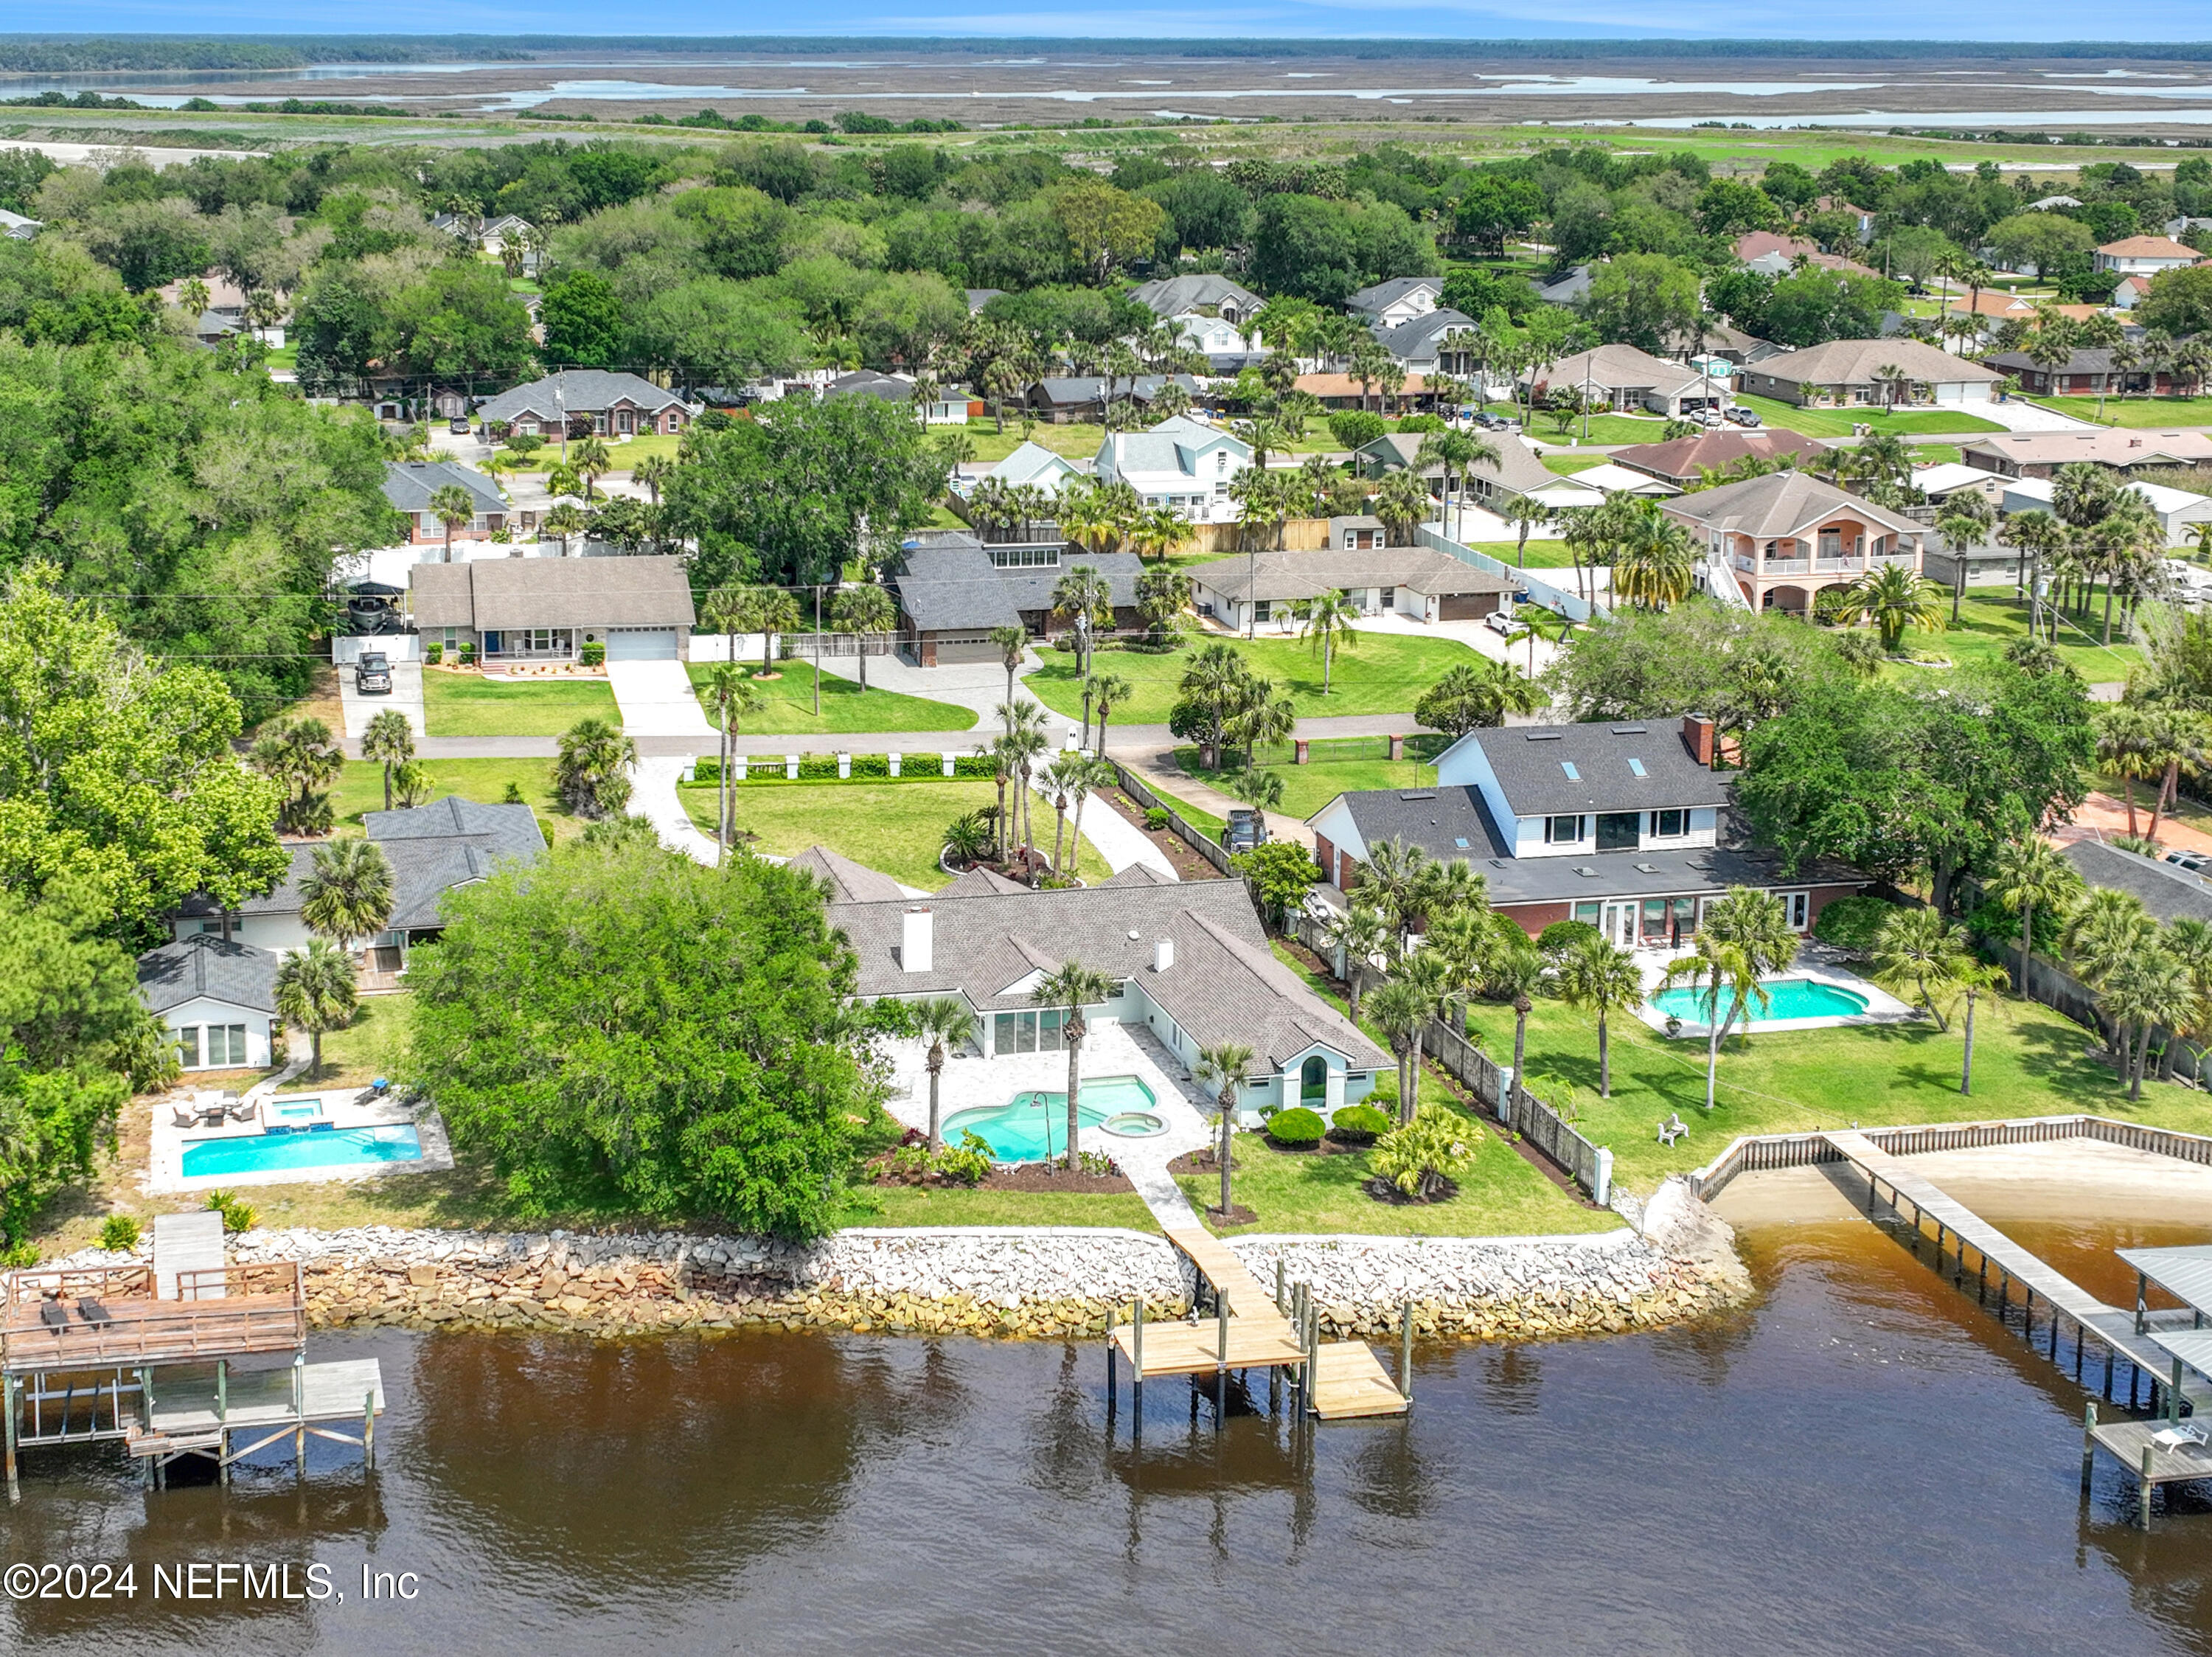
[(945, 1022), (1395, 871), (2036, 535), (2031, 873), (1013, 643), (453, 507), (1714, 967), (2123, 747), (732, 696), (770, 610), (1893, 599), (1477, 694), (1425, 978), (1745, 937), (1457, 452), (1974, 976), (1919, 947), (2130, 531), (348, 892), (1890, 377), (414, 784), (1597, 975), (2146, 989), (389, 740), (861, 610), (1657, 558), (1332, 617), (300, 756), (2104, 929), (1363, 931), (1072, 988), (1403, 504), (1024, 739), (315, 991), (193, 298), (1161, 533), (563, 522), (591, 462), (591, 773), (654, 472), (1107, 692), (1081, 777), (1523, 515), (726, 611), (1401, 1012), (1222, 1066)]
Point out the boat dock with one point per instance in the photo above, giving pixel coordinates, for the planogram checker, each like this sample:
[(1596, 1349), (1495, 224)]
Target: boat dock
[(182, 1358), (1253, 1329)]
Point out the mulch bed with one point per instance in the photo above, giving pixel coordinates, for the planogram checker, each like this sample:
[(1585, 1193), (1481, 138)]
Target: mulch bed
[(1186, 863), (1383, 1191), (1028, 1177), (1202, 1162), (1238, 1215)]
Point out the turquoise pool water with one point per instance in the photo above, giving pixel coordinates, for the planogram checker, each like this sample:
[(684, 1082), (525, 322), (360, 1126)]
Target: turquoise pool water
[(1032, 1126), (1791, 998), (335, 1149)]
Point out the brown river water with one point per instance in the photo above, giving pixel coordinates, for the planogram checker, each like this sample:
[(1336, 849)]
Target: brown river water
[(1860, 1459)]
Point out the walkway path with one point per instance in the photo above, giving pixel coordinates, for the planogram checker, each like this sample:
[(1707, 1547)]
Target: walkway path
[(2101, 816), (653, 797), (1119, 841), (656, 699)]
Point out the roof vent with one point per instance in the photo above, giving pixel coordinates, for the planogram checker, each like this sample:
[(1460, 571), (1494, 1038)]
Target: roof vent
[(1584, 868), (1541, 736), (1568, 766), (1430, 794), (1628, 730)]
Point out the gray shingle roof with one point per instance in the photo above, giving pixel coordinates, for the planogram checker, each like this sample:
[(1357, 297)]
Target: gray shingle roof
[(1224, 985), (409, 484), (580, 391), (848, 882), (2169, 892), (205, 964), (886, 387), (1173, 296), (1515, 468), (982, 883), (1782, 503), (1067, 391), (1412, 341), (1289, 576), (448, 843), (1530, 763), (1385, 294), (1171, 446), (1678, 461), (505, 592), (1854, 362), (951, 585), (1616, 367)]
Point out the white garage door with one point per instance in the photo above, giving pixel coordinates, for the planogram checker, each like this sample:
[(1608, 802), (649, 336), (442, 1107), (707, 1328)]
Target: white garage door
[(641, 644)]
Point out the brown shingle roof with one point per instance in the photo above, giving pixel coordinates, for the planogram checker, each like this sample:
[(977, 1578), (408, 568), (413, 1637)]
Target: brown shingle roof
[(504, 592), (1678, 461)]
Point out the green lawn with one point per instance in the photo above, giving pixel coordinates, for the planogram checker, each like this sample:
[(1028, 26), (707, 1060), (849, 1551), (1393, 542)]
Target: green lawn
[(1381, 673), (845, 706), (1197, 816), (1837, 423), (2027, 1062), (1567, 465), (1541, 554), (1989, 622), (1306, 789), (1080, 439), (361, 788), (917, 1205), (896, 827), (1603, 428), (2158, 412), (467, 705), (375, 1044)]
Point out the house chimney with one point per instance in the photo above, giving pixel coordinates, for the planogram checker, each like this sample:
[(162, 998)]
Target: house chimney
[(1697, 737), (917, 943), (1162, 955)]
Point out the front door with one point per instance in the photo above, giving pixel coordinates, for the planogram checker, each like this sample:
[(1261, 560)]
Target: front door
[(1620, 924), (1619, 831)]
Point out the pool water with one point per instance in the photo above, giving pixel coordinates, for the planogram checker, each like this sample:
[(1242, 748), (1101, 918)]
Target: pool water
[(1032, 1125), (1789, 998), (338, 1148)]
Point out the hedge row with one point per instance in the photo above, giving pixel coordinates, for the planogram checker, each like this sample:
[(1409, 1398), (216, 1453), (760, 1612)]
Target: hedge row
[(819, 767)]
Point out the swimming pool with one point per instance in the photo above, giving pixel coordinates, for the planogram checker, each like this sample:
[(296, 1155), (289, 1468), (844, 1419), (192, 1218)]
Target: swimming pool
[(1789, 998), (272, 1153), (1032, 1125)]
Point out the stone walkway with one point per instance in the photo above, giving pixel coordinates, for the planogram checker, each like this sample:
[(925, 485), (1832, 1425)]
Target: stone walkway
[(1117, 839), (653, 796)]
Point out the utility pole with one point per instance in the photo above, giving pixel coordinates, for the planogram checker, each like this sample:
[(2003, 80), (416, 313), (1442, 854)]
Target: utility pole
[(1588, 362), (561, 407), (817, 649)]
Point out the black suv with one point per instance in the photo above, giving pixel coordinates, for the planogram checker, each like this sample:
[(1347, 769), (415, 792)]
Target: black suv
[(1244, 829), (372, 672)]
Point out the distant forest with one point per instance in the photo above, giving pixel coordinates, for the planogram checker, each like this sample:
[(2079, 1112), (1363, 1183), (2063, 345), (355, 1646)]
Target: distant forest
[(50, 54)]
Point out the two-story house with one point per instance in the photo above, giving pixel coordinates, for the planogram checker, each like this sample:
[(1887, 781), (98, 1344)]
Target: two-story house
[(1617, 823), (1182, 464), (1397, 301), (2145, 256), (1786, 536)]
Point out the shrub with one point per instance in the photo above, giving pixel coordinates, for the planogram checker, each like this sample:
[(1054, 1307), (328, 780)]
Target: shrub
[(468, 656), (1852, 924), (969, 1162), (236, 1216), (513, 795), (1561, 936), (1359, 1124), (594, 653), (120, 1232), (1156, 818), (1096, 1162), (2141, 844), (1421, 423), (1354, 428), (1425, 1159), (522, 442), (1297, 1127), (433, 654)]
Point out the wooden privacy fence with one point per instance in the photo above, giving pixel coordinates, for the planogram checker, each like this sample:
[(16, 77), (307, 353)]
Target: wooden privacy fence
[(1210, 849), (1799, 1150)]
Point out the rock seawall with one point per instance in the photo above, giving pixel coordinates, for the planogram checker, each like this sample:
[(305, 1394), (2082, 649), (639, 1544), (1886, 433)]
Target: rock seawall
[(1040, 1282)]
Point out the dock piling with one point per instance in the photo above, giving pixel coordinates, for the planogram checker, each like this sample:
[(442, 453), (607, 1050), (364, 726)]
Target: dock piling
[(368, 1432), (2144, 1489), (7, 1397), (1406, 1352), (2088, 1442)]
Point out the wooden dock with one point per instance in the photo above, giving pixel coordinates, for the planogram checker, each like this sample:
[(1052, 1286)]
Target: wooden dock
[(110, 1318), (1338, 1379)]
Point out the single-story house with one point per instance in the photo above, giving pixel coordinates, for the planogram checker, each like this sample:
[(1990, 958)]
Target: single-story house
[(1849, 372), (409, 486), (1622, 377), (2127, 292), (2176, 509), (17, 228), (1773, 254), (1399, 301), (1786, 536), (1245, 590), (2039, 454), (1718, 341), (1425, 344), (2145, 256), (1570, 288), (1989, 563), (1341, 391), (2168, 891), (953, 589), (1610, 479), (2088, 371), (1515, 471), (952, 407), (1213, 295), (1684, 461), (1995, 305), (1190, 964), (1619, 823), (1182, 464), (1034, 464), (432, 849), (614, 404), (547, 609), (216, 998), (1061, 398)]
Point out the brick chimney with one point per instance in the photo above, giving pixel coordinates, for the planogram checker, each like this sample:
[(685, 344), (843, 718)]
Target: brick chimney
[(1697, 738)]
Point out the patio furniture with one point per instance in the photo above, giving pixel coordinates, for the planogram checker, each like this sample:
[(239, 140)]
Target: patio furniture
[(184, 1116), (245, 1110), (93, 1313), (1672, 1129), (52, 1313)]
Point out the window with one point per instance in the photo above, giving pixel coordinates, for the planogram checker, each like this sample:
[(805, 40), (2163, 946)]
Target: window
[(188, 1047), (1798, 906), (1024, 557), (1635, 766), (1666, 824), (1562, 830), (1588, 913), (540, 640), (211, 1047), (1568, 766)]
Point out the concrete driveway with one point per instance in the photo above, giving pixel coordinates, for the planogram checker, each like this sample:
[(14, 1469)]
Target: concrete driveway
[(656, 699), (406, 696)]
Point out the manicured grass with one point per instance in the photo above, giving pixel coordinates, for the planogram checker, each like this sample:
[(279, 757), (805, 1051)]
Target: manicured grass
[(1540, 555), (467, 705), (1197, 816), (845, 706), (2135, 412), (1989, 623), (1837, 423), (916, 1205), (1306, 789), (1603, 428), (1381, 673), (375, 1044), (1567, 465), (2027, 1062), (896, 827), (1080, 439), (361, 788)]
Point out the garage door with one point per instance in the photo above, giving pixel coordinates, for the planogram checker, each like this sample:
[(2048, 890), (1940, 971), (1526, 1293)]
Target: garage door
[(1465, 606), (641, 644)]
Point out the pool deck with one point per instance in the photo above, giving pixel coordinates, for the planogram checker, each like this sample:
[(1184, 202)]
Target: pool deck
[(345, 1107), (1815, 963)]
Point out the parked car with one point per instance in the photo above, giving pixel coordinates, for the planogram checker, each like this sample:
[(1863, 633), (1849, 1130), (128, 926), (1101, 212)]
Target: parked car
[(1741, 416), (372, 673), (1500, 621), (1490, 422), (1245, 830), (459, 425)]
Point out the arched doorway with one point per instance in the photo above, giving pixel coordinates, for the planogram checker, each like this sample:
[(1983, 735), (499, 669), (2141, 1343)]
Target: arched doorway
[(1312, 1081)]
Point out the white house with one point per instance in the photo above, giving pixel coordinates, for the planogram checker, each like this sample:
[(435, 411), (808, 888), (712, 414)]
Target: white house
[(2176, 509), (2145, 256), (1182, 464), (1390, 304), (218, 999), (1031, 463), (1622, 377), (1215, 336)]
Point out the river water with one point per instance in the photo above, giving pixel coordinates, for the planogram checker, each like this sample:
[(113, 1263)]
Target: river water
[(1859, 1460)]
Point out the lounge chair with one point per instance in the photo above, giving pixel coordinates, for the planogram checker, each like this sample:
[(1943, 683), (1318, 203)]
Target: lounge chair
[(53, 1314), (246, 1110), (93, 1313), (184, 1116)]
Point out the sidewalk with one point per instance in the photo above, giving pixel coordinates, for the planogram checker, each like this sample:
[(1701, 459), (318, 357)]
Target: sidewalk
[(653, 797)]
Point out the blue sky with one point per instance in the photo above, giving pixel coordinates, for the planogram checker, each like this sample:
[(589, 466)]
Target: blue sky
[(2003, 20)]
